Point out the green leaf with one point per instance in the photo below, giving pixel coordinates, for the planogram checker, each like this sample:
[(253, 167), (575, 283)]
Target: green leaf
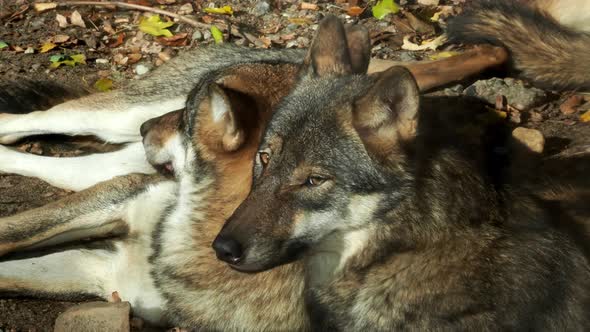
[(104, 84), (384, 8), (3, 45), (217, 34), (58, 60), (155, 27)]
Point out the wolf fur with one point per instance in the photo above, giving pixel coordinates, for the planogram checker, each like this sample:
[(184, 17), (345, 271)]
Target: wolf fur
[(162, 262), (401, 217), (548, 40)]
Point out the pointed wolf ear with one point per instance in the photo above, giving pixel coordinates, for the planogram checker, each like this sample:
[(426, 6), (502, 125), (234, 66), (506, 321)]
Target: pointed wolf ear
[(218, 124), (387, 115), (359, 47), (328, 54)]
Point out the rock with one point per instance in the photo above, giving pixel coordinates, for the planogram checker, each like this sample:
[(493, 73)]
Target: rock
[(141, 69), (429, 2), (531, 138), (185, 9), (517, 94), (95, 316), (102, 61), (260, 8), (29, 50), (197, 35), (207, 35)]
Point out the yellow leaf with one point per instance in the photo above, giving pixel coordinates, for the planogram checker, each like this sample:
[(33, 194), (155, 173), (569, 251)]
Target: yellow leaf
[(155, 27), (384, 8), (300, 20), (67, 60), (585, 117), (217, 34), (443, 55), (225, 10), (103, 84), (47, 47)]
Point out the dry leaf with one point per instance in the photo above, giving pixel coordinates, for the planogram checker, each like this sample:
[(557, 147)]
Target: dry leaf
[(61, 20), (309, 6), (77, 20), (176, 40), (59, 39), (108, 28), (384, 8), (41, 7), (133, 57), (585, 117), (432, 44), (355, 11), (571, 104), (117, 42), (58, 60)]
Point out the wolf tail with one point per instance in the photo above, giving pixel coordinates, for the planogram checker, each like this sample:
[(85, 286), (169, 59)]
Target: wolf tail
[(28, 95), (545, 50)]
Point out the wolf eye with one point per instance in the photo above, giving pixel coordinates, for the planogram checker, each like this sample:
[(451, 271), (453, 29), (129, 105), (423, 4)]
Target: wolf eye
[(314, 181), (264, 158)]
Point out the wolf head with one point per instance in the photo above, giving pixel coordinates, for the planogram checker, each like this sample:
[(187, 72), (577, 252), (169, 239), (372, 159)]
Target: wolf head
[(335, 145)]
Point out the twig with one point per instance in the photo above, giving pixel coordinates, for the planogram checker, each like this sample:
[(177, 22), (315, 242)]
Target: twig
[(120, 4)]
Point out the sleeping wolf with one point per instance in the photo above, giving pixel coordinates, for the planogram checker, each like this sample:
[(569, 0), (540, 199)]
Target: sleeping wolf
[(401, 218)]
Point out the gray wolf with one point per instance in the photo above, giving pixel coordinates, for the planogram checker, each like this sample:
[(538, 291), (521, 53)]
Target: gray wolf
[(548, 40), (161, 260), (400, 219)]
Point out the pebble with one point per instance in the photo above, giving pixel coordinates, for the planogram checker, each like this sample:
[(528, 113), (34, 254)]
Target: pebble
[(261, 8), (141, 69), (207, 35), (517, 94), (102, 61), (29, 50), (197, 35), (95, 316), (531, 138)]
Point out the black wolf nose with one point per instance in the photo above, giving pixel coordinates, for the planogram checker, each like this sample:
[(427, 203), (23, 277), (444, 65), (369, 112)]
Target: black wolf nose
[(146, 126), (228, 249)]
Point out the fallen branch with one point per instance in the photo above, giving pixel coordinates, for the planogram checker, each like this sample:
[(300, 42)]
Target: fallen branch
[(50, 5)]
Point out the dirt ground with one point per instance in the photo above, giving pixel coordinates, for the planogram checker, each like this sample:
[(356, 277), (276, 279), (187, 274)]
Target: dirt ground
[(116, 52)]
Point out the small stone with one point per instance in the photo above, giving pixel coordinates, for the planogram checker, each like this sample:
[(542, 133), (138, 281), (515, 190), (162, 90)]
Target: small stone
[(77, 20), (61, 20), (260, 8), (207, 35), (29, 50), (185, 9), (517, 94), (197, 35), (95, 316), (141, 69), (102, 61), (531, 138)]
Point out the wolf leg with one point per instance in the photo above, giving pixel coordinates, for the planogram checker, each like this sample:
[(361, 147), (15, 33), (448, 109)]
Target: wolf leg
[(66, 274), (76, 173), (110, 116), (107, 208)]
